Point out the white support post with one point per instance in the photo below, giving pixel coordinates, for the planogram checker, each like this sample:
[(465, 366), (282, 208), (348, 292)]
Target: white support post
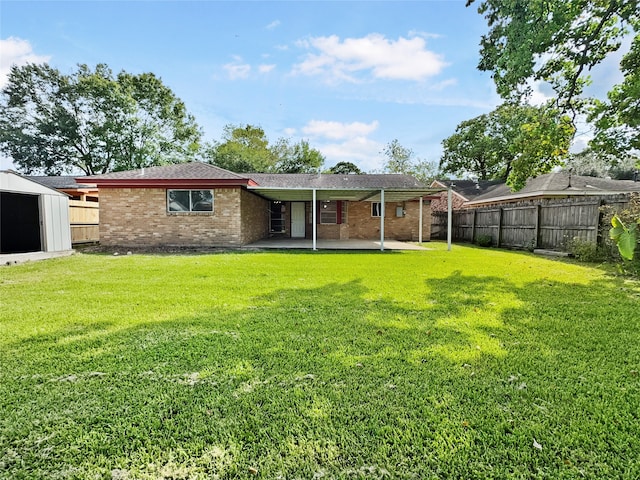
[(449, 216), (382, 220), (420, 223), (314, 215)]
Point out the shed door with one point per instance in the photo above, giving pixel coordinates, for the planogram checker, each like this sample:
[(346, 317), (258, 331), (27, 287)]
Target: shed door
[(297, 220), (19, 223)]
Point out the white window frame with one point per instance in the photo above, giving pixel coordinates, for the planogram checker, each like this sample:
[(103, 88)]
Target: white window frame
[(207, 212), (376, 209)]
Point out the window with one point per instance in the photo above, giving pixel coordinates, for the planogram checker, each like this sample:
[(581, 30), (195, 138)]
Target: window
[(376, 210), (329, 212), (190, 200), (277, 214)]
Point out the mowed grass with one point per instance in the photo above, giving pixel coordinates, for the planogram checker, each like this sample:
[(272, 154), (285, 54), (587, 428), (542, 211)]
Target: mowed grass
[(474, 363)]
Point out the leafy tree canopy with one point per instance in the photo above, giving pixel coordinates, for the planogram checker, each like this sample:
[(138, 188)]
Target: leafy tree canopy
[(597, 164), (246, 148), (557, 41), (92, 120), (345, 168), (512, 143), (399, 159)]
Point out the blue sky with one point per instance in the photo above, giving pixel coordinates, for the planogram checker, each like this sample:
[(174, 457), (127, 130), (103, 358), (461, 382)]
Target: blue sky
[(349, 77)]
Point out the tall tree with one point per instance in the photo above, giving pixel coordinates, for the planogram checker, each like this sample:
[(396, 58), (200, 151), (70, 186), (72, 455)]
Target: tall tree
[(92, 121), (617, 120), (345, 168), (244, 148), (399, 159), (556, 41), (297, 158), (512, 143)]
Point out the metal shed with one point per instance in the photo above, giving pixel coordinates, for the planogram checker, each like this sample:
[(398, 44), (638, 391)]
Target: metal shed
[(33, 218)]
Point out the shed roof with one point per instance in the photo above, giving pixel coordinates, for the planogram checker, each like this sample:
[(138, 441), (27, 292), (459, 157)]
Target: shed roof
[(11, 181)]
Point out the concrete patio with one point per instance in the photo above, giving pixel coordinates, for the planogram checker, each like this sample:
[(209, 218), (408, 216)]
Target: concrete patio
[(353, 244)]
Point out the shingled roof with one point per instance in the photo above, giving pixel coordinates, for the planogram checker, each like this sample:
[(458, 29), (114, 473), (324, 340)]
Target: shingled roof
[(333, 181), (178, 171), (469, 189), (558, 184), (62, 182)]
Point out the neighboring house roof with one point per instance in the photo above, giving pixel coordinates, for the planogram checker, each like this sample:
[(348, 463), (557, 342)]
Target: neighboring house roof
[(468, 189), (558, 184), (275, 186), (62, 182)]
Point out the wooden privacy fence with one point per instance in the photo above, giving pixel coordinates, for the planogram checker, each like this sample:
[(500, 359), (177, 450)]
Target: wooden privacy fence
[(84, 218), (546, 223)]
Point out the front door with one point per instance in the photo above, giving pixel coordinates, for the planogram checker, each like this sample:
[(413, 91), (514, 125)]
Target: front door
[(298, 220)]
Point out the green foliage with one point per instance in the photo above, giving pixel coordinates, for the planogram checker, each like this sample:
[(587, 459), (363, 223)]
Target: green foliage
[(246, 148), (399, 159), (625, 236), (598, 164), (90, 120), (484, 240), (617, 120), (177, 366), (586, 251), (512, 143), (297, 158), (556, 41), (345, 168)]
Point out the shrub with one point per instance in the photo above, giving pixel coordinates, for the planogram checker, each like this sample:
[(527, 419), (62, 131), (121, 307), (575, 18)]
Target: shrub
[(586, 251), (484, 240)]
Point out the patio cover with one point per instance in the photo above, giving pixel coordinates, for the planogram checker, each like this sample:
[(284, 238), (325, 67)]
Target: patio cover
[(318, 187)]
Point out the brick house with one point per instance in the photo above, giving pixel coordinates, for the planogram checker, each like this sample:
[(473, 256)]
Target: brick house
[(197, 204), (463, 191)]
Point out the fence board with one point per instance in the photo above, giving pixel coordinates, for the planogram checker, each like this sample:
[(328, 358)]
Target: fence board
[(84, 218), (546, 223)]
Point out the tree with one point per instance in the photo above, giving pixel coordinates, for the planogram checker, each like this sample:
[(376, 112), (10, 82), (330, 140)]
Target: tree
[(556, 41), (297, 158), (400, 160), (597, 164), (92, 121), (512, 143), (617, 120), (345, 168), (244, 148)]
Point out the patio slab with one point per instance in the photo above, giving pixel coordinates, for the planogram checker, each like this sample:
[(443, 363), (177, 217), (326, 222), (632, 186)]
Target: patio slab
[(353, 244)]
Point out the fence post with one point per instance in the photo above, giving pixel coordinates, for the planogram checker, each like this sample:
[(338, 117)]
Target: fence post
[(499, 226), (536, 230), (473, 226)]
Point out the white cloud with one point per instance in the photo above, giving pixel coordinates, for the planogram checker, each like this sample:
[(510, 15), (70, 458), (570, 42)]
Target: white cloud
[(237, 69), (266, 68), (362, 151), (16, 51), (272, 25), (339, 130), (346, 142), (342, 60)]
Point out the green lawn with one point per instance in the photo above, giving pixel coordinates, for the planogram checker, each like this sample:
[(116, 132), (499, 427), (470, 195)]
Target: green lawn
[(475, 363)]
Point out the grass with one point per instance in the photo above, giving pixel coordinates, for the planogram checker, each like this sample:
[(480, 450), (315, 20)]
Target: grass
[(474, 363)]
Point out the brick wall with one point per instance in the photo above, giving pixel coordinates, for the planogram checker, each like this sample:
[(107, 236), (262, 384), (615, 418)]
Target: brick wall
[(362, 225), (139, 217), (255, 217), (441, 204)]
